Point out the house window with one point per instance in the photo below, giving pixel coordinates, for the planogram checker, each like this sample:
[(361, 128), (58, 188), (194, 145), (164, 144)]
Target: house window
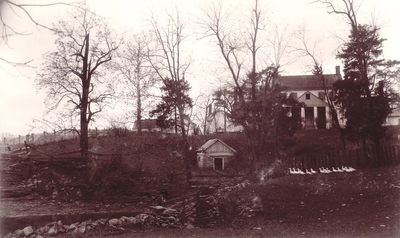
[(308, 96), (293, 95)]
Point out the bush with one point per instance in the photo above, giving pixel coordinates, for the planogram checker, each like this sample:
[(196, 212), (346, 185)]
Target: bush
[(118, 129), (113, 175)]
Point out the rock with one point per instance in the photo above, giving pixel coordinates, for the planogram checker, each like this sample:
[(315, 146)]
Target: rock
[(124, 220), (189, 226), (43, 230), (158, 209), (170, 219), (131, 220), (82, 228), (73, 227), (39, 236), (170, 211), (100, 222), (60, 227), (28, 230), (53, 230), (18, 233), (9, 235), (114, 222)]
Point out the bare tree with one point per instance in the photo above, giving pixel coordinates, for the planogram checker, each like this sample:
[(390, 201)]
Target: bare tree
[(170, 65), (73, 74), (254, 92), (307, 50), (56, 122), (136, 72), (23, 11), (219, 25)]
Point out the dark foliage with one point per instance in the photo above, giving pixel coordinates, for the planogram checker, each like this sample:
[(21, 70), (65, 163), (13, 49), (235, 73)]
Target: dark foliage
[(267, 115), (364, 97), (176, 95)]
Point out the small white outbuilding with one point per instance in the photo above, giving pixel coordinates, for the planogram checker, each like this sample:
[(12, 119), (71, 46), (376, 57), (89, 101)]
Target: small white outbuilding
[(214, 154)]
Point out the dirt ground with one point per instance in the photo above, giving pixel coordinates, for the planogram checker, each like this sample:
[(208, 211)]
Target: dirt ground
[(362, 203), (365, 203)]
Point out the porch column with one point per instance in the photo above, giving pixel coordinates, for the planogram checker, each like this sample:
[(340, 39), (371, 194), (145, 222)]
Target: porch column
[(328, 118), (315, 117)]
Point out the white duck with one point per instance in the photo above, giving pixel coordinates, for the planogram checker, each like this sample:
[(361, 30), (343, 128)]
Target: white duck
[(299, 171), (292, 171), (308, 172), (313, 171), (348, 169), (328, 171)]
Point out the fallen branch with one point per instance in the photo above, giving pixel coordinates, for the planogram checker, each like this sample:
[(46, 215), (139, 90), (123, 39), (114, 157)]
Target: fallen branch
[(40, 151)]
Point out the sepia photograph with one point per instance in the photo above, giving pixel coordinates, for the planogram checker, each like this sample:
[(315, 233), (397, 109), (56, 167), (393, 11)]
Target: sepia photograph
[(206, 118)]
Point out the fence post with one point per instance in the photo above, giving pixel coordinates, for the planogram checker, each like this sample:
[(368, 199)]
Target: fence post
[(386, 156), (397, 154), (391, 155)]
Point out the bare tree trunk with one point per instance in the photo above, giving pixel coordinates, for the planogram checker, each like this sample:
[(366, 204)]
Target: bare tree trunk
[(205, 121), (139, 103), (85, 77)]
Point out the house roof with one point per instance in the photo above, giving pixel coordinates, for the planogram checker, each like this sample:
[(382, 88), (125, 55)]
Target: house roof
[(308, 82), (211, 142)]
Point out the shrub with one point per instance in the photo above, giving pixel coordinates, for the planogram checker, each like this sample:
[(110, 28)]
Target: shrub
[(113, 175)]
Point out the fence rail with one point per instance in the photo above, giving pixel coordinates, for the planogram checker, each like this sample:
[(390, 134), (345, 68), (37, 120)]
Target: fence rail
[(357, 158), (40, 139), (43, 138)]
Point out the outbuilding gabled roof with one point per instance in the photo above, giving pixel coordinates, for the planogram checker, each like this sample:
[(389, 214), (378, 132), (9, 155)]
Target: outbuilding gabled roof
[(308, 82), (211, 142)]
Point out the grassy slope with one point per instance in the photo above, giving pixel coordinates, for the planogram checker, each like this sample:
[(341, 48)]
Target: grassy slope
[(157, 154)]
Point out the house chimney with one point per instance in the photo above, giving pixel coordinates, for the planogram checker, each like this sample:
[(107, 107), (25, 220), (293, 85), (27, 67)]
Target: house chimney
[(337, 70)]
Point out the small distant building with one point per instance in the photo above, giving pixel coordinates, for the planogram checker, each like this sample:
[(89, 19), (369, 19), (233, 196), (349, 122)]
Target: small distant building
[(394, 118), (214, 154)]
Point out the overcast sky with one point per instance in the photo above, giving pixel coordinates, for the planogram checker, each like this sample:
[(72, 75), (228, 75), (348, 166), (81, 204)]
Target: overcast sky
[(20, 102)]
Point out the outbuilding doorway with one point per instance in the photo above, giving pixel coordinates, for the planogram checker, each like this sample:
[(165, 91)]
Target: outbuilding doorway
[(218, 164)]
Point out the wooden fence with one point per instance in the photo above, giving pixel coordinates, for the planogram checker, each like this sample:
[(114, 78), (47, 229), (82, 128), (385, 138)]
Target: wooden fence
[(357, 158), (40, 139), (44, 138)]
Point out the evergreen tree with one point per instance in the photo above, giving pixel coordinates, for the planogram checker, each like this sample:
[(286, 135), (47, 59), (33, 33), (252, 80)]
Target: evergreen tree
[(363, 97), (175, 96), (267, 115)]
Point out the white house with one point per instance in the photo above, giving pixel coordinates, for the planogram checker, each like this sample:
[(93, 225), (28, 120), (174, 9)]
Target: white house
[(394, 118), (310, 90), (217, 121)]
